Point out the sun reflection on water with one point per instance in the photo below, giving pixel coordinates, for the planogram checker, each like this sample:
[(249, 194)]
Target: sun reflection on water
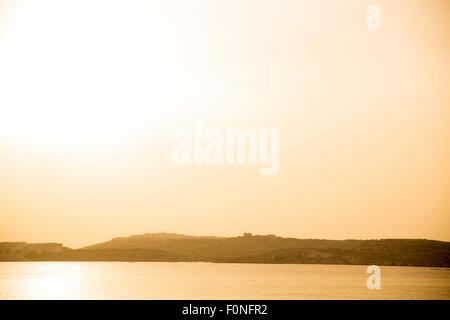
[(50, 281)]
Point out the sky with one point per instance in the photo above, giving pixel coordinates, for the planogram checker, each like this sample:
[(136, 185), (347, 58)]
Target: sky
[(92, 91)]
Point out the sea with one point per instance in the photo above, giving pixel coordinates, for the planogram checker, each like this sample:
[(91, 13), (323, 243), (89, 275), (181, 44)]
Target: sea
[(197, 280)]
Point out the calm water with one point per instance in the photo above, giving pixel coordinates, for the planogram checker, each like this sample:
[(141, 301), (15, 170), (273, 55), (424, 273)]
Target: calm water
[(159, 280)]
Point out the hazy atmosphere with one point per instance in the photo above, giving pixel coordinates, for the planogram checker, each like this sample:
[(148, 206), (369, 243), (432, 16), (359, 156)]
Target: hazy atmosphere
[(91, 92)]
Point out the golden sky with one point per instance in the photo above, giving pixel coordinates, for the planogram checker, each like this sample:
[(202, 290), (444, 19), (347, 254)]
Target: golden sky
[(91, 91)]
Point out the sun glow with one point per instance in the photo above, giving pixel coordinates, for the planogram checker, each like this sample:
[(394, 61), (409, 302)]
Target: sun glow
[(83, 73)]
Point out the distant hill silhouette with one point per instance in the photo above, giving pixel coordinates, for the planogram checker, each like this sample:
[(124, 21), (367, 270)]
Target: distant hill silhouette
[(242, 249)]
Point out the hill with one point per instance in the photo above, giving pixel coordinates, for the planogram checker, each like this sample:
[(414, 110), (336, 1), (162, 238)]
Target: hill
[(243, 249)]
